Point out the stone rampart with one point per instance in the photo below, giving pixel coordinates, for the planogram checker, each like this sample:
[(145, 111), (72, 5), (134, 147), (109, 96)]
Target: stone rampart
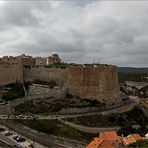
[(46, 74), (10, 73)]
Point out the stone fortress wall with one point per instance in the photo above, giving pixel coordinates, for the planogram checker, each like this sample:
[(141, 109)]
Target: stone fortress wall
[(10, 73), (45, 73), (100, 83), (93, 82)]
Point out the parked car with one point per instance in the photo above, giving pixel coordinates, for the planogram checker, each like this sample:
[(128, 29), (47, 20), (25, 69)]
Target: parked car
[(20, 139), (15, 137), (8, 133), (31, 146)]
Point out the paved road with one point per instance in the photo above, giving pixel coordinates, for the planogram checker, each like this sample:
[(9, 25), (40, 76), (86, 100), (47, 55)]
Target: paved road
[(89, 129)]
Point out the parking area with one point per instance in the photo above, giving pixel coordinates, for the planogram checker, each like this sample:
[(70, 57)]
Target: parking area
[(14, 139)]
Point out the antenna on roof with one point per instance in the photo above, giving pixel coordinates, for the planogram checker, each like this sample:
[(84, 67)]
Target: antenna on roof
[(98, 61), (94, 61)]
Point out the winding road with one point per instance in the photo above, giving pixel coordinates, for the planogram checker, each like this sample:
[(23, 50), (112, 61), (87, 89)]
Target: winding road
[(87, 129)]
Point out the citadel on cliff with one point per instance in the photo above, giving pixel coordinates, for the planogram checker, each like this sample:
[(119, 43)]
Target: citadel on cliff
[(91, 81)]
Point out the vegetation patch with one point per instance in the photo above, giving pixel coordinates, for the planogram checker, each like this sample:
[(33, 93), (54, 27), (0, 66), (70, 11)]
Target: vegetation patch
[(54, 127), (137, 77), (37, 106), (14, 91), (50, 83), (60, 65), (141, 143), (2, 144), (54, 105), (86, 101), (135, 116), (128, 129), (31, 107)]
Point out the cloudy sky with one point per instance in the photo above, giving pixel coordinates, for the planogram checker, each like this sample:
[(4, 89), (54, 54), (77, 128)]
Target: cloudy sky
[(79, 31)]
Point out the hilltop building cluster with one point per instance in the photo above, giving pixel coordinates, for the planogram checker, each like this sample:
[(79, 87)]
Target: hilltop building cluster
[(28, 60)]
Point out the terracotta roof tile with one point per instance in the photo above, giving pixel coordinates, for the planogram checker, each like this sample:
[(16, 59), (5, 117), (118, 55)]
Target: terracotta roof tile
[(136, 137), (131, 138), (107, 139), (128, 140), (109, 135), (106, 144), (110, 139), (95, 143)]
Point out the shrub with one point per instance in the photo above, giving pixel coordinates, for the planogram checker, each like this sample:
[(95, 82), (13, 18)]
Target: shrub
[(141, 143), (126, 130), (68, 95), (16, 91), (50, 83)]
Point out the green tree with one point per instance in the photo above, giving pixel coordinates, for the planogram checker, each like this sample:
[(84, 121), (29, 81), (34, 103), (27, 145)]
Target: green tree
[(141, 144)]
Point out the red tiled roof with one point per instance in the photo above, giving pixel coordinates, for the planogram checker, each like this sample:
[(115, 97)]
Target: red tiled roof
[(131, 138), (106, 144), (109, 136), (95, 143), (136, 137), (110, 139), (100, 143), (107, 139), (128, 140)]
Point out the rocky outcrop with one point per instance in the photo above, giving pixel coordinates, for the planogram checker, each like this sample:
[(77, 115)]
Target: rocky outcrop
[(43, 91)]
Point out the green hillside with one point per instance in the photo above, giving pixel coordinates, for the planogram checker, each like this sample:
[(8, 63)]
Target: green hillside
[(132, 74), (132, 70)]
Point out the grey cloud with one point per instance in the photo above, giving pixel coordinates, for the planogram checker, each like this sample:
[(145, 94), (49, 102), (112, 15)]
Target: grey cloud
[(110, 32), (20, 13), (81, 3)]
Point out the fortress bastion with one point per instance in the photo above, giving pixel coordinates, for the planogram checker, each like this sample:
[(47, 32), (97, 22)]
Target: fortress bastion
[(94, 82)]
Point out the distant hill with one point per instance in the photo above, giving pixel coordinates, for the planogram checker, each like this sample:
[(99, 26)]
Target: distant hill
[(132, 70)]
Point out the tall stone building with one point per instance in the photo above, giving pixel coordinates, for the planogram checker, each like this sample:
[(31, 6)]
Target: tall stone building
[(53, 59), (40, 61), (26, 60)]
